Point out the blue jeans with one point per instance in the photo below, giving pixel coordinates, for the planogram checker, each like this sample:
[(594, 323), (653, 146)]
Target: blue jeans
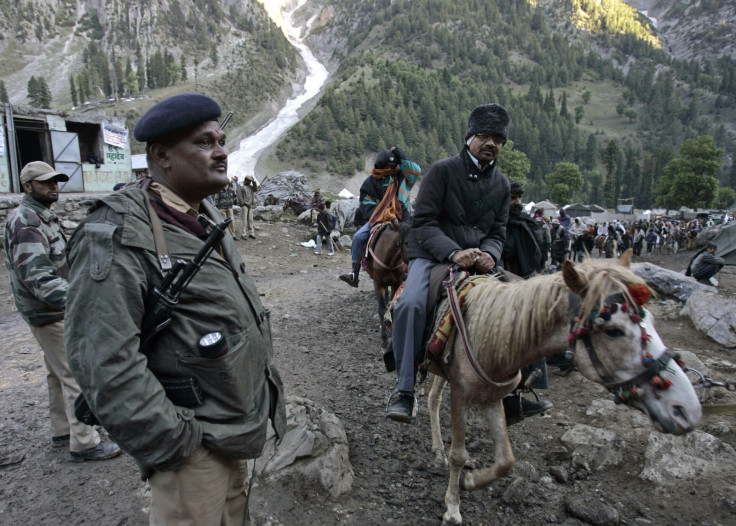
[(410, 320), (360, 239)]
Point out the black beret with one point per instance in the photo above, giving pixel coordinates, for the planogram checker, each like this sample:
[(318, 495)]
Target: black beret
[(488, 118), (516, 187), (384, 158), (175, 114)]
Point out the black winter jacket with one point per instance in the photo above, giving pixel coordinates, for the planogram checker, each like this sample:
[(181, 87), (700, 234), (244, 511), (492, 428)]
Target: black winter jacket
[(459, 207)]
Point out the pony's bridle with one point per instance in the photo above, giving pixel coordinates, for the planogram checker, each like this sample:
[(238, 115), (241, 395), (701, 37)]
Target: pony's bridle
[(627, 391)]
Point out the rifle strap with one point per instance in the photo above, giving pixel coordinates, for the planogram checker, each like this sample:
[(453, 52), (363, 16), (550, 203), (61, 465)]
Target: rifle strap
[(162, 249)]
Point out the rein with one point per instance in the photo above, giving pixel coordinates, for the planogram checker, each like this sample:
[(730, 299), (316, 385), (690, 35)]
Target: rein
[(625, 392), (462, 330), (378, 260)]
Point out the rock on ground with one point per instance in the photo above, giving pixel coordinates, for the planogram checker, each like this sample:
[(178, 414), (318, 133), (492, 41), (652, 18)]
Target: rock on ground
[(671, 459), (314, 448), (594, 447), (668, 283), (713, 315)]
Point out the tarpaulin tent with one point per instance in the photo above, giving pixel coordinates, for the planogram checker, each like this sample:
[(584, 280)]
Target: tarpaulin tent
[(726, 241)]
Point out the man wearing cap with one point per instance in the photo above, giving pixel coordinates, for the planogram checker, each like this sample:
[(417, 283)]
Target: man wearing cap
[(460, 217), (247, 199), (705, 265), (191, 439), (34, 257), (393, 169)]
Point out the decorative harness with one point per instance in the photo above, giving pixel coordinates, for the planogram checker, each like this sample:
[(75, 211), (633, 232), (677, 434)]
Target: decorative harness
[(625, 392)]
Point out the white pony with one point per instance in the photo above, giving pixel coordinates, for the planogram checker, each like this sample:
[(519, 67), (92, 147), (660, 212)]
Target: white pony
[(510, 325)]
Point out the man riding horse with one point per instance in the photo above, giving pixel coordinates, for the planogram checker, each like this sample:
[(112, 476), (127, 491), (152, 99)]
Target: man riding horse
[(460, 217), (384, 196)]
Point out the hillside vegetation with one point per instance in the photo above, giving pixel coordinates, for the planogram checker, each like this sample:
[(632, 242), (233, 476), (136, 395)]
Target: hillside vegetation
[(586, 82), (140, 49)]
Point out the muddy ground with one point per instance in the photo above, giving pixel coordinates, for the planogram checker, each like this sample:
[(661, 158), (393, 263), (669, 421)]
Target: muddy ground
[(326, 342)]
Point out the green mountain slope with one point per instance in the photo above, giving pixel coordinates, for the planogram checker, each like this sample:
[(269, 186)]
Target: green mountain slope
[(588, 82)]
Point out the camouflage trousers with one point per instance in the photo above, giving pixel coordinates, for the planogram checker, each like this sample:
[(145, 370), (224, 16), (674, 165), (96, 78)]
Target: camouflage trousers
[(63, 388)]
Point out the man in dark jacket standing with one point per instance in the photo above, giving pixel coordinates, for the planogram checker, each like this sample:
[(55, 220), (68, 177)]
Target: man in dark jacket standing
[(460, 217), (522, 256), (193, 404)]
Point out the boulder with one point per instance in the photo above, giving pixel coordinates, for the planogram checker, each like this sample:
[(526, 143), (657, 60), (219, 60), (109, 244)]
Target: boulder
[(670, 459), (594, 447), (315, 449), (713, 315), (668, 283), (268, 213), (345, 209), (285, 185)]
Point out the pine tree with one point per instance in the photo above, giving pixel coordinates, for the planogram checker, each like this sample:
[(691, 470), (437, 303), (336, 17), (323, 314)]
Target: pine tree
[(44, 94), (73, 91), (3, 92), (33, 91), (183, 68), (564, 113)]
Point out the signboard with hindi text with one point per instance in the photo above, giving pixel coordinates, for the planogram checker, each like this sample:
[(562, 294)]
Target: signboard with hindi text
[(115, 169), (114, 136)]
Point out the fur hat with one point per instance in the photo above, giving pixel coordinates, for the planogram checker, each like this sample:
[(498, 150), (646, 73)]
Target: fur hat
[(516, 187), (384, 158), (176, 114), (488, 118)]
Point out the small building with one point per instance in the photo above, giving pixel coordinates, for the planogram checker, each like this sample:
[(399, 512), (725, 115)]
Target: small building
[(92, 149)]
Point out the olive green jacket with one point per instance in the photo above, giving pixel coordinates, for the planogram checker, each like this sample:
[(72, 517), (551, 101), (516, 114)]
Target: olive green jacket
[(114, 266)]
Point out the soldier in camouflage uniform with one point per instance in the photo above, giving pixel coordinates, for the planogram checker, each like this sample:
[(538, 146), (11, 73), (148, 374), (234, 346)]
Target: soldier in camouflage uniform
[(224, 201), (34, 257)]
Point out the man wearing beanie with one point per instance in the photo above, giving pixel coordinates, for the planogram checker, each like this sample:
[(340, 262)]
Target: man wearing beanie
[(194, 403), (460, 217)]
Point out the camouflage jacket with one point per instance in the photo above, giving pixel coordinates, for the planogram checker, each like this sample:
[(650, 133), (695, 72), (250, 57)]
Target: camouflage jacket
[(225, 198), (36, 262)]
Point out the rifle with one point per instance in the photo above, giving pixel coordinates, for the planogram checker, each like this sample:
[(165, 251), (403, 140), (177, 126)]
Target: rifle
[(165, 296), (158, 315), (226, 120)]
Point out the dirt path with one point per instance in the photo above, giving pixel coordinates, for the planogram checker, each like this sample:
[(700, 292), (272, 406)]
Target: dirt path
[(327, 346)]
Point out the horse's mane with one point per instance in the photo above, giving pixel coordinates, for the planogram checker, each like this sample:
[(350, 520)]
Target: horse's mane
[(520, 315)]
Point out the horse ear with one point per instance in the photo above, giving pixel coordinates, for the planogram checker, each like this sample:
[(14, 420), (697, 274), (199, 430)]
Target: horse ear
[(574, 280), (626, 258)]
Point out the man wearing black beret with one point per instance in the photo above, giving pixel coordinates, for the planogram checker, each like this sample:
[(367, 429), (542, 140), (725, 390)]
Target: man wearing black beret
[(194, 404), (460, 217)]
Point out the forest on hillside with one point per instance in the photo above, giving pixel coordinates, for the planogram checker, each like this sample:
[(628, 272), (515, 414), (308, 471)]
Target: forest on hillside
[(413, 71)]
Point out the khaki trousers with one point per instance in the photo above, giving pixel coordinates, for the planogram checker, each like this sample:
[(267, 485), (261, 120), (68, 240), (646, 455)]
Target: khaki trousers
[(228, 212), (248, 226), (209, 490), (63, 388)]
